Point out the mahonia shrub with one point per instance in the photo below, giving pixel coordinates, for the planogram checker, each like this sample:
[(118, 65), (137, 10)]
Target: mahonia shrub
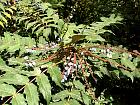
[(47, 61)]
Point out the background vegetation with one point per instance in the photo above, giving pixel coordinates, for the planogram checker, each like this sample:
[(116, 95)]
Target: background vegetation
[(69, 52)]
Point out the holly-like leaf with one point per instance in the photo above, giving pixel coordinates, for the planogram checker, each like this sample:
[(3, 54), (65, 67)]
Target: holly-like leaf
[(6, 90), (75, 94), (55, 74), (12, 78), (86, 98), (31, 94), (46, 32), (18, 99), (44, 87), (79, 85), (128, 74), (126, 62)]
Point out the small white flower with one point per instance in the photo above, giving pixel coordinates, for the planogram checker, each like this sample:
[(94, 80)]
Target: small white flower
[(75, 65), (30, 50), (108, 50), (68, 58), (26, 64), (59, 39), (66, 68), (71, 16), (72, 59), (70, 64), (30, 64), (109, 55), (34, 45), (47, 48), (103, 51), (79, 66), (130, 56), (64, 77), (53, 47), (33, 63), (65, 63), (68, 72), (93, 49), (62, 80), (26, 57), (82, 53)]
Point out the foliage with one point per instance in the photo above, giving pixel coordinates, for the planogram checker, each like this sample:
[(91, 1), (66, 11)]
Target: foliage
[(49, 61), (87, 11), (6, 13)]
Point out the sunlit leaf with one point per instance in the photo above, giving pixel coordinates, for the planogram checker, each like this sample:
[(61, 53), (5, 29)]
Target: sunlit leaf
[(6, 90), (1, 23), (31, 94), (44, 87), (55, 74), (7, 15), (18, 99), (12, 78)]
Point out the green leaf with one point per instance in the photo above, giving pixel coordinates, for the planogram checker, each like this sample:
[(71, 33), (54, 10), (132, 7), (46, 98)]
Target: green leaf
[(86, 99), (128, 74), (98, 73), (44, 87), (23, 18), (79, 85), (75, 94), (55, 74), (45, 6), (12, 78), (116, 73), (104, 70), (76, 38), (46, 32), (10, 10), (2, 7), (2, 62), (7, 90), (34, 28), (29, 25), (1, 24), (7, 69), (50, 12), (3, 19), (18, 99), (31, 94), (126, 62), (7, 15), (13, 7), (65, 102), (39, 31), (60, 23), (95, 38)]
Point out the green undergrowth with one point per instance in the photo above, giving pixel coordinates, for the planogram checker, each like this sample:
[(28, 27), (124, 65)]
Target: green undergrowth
[(47, 61)]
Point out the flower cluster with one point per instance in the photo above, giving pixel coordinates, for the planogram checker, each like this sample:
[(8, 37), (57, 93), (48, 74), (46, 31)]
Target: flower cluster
[(69, 67), (29, 62), (51, 45)]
